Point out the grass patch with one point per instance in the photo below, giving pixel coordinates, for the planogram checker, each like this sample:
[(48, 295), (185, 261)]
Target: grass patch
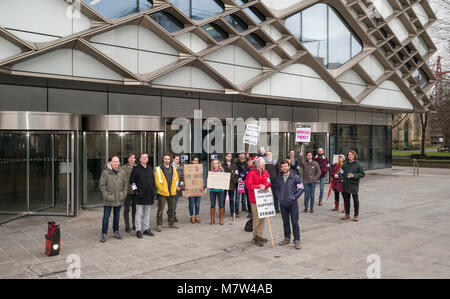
[(430, 154)]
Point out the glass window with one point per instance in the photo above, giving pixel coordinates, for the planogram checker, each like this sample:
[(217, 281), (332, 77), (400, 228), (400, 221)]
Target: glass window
[(325, 34), (119, 8), (167, 21), (215, 32), (379, 147), (199, 9), (256, 41), (241, 2), (236, 22), (255, 14), (421, 78)]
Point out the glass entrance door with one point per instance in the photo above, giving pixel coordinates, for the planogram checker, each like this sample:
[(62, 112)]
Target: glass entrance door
[(36, 174), (318, 140)]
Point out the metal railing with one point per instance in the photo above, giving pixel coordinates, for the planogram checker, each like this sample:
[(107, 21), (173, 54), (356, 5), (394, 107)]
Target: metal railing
[(415, 167)]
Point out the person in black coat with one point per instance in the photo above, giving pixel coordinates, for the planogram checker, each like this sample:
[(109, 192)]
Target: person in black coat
[(142, 181), (294, 162), (350, 174), (288, 189)]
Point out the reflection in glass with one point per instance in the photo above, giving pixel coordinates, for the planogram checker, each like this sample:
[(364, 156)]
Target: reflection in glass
[(256, 41), (167, 21), (325, 34), (215, 32), (95, 153), (421, 77), (199, 9), (255, 14), (13, 173), (236, 22), (119, 8)]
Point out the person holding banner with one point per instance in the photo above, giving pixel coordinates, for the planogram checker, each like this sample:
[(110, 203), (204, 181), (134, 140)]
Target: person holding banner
[(293, 162), (257, 178), (273, 169), (217, 194), (194, 201), (336, 184), (288, 188)]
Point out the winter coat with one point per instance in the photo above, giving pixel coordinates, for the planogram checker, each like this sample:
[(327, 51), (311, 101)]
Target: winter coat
[(234, 174), (351, 185), (142, 181), (288, 192), (337, 184), (324, 165), (128, 168), (273, 168), (161, 182), (113, 187), (311, 171), (254, 179), (180, 171)]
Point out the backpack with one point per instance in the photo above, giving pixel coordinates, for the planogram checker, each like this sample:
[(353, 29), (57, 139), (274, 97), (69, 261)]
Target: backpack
[(249, 225)]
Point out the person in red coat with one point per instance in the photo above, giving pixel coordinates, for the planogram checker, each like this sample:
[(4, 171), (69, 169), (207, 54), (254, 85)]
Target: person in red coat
[(257, 178), (337, 184)]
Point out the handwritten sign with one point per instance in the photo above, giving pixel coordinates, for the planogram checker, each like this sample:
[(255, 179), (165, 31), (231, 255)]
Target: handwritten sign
[(252, 134), (219, 180), (193, 179), (264, 203), (241, 188), (303, 134)]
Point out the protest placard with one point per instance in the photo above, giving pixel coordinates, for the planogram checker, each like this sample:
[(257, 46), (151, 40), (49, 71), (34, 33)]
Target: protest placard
[(303, 134), (265, 207), (252, 134), (193, 179), (219, 180)]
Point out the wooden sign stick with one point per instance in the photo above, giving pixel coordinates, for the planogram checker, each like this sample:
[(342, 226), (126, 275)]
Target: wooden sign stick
[(270, 231)]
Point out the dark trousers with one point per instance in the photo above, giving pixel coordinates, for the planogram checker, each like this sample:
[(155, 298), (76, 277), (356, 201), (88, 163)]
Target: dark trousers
[(231, 194), (129, 202), (290, 215), (106, 215), (248, 202), (171, 209), (275, 202), (336, 196), (347, 203)]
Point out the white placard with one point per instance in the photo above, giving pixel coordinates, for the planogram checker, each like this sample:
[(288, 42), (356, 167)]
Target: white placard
[(303, 134), (252, 134), (335, 159), (264, 203), (218, 180)]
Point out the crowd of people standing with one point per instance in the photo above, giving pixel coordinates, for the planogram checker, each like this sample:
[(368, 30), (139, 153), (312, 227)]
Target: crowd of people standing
[(136, 186)]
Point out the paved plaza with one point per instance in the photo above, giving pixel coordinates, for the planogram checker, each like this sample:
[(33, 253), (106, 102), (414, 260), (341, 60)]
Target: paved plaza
[(403, 219)]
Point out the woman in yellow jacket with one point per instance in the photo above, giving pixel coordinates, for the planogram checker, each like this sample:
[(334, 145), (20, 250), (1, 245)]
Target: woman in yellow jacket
[(166, 179)]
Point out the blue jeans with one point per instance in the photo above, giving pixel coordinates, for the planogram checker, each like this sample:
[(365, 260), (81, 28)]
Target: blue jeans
[(220, 197), (310, 189), (194, 201), (322, 187), (290, 215), (232, 202), (106, 215), (242, 197)]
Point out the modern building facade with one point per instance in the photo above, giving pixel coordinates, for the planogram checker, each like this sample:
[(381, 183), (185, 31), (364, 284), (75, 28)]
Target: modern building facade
[(81, 81)]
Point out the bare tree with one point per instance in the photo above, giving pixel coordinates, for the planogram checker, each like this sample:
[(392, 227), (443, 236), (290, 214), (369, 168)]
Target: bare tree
[(442, 106)]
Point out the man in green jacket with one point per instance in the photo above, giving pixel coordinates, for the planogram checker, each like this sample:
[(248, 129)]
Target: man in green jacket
[(113, 187), (349, 175)]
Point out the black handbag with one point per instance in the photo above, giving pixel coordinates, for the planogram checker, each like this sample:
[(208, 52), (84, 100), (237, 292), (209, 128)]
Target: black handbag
[(249, 225)]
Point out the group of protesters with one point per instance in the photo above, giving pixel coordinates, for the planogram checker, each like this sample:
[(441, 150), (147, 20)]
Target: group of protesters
[(137, 185)]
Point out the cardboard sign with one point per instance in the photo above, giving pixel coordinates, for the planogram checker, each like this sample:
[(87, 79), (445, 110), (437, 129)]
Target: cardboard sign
[(252, 134), (241, 188), (264, 203), (193, 179), (219, 180), (303, 134), (335, 159)]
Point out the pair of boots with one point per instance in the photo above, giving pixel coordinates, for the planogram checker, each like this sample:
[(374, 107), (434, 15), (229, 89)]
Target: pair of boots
[(213, 215), (259, 240), (195, 220), (336, 207)]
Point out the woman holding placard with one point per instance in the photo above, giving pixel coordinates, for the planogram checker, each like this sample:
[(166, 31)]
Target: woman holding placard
[(194, 202), (217, 194)]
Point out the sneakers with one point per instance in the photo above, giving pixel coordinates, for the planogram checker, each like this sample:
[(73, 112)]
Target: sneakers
[(103, 238), (173, 226), (139, 235), (311, 211), (148, 232), (117, 235), (159, 228), (297, 245), (305, 210), (284, 242)]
